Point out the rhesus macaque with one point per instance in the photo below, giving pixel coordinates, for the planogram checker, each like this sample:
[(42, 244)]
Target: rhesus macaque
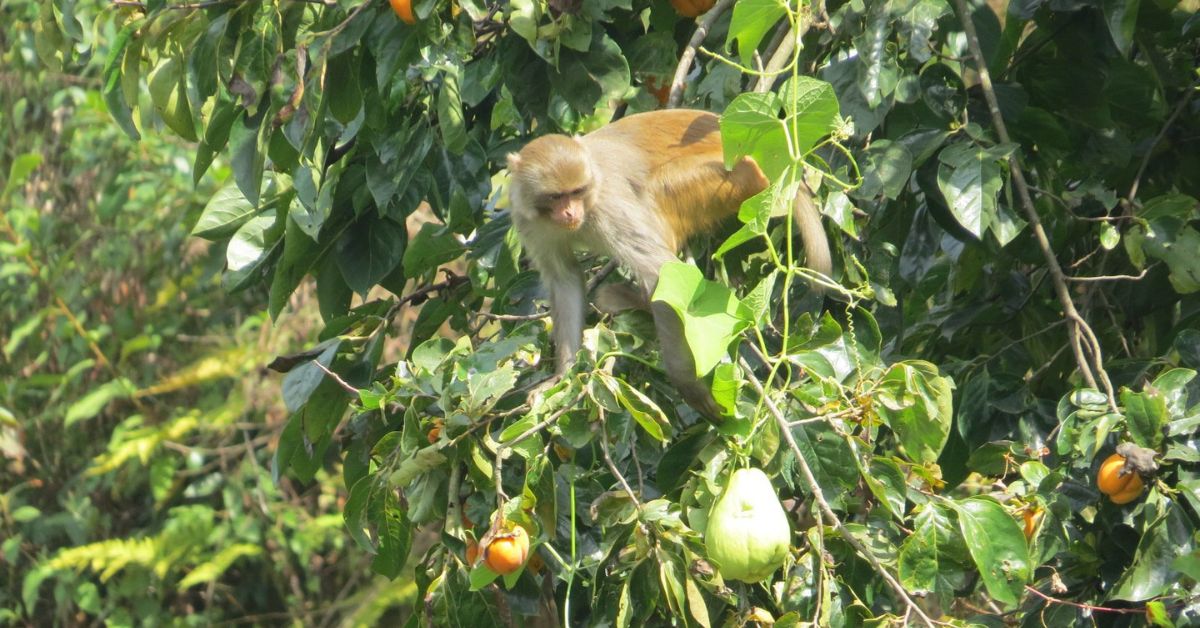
[(635, 190)]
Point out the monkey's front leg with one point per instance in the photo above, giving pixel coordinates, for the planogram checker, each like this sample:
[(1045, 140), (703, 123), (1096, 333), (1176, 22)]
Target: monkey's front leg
[(563, 279)]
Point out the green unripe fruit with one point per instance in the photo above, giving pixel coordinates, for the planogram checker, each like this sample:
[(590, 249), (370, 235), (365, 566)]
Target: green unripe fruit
[(748, 534)]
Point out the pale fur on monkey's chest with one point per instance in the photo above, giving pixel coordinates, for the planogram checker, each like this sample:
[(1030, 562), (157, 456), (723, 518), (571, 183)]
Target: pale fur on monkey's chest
[(620, 218)]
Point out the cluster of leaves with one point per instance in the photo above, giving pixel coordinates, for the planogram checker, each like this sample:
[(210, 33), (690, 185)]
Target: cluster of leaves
[(908, 431), (135, 425)]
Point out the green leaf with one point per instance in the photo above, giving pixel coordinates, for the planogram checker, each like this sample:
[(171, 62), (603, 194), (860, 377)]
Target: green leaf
[(969, 178), (299, 255), (919, 23), (433, 246), (917, 403), (113, 78), (1152, 573), (878, 72), (885, 170), (1172, 385), (1146, 413), (523, 18), (750, 22), (696, 603), (21, 332), (20, 170), (246, 154), (1121, 18), (919, 557), (395, 537), (481, 576), (212, 569), (1179, 206), (751, 127), (643, 409), (597, 77), (450, 114), (249, 249), (300, 382), (887, 484), (997, 546), (711, 313), (1176, 245), (424, 461), (224, 214), (32, 582), (342, 89), (485, 389), (168, 92), (369, 250), (812, 111), (96, 399), (355, 511)]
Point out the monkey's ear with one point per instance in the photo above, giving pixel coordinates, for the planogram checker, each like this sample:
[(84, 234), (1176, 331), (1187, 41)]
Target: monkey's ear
[(514, 161)]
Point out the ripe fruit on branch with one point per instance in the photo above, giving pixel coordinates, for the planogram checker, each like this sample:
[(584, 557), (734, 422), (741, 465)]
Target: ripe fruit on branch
[(660, 87), (1032, 516), (403, 9), (472, 552), (507, 551), (748, 534), (1120, 483), (692, 8)]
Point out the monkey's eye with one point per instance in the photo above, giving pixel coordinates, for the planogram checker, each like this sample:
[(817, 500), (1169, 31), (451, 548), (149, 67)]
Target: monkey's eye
[(579, 191)]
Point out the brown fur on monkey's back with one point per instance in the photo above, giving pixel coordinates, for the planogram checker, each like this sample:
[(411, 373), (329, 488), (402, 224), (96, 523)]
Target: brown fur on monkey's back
[(685, 168)]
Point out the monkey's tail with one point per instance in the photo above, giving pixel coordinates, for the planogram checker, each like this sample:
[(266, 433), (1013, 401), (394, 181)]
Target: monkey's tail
[(808, 221)]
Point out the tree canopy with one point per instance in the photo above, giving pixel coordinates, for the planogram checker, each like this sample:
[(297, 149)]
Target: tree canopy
[(1011, 192)]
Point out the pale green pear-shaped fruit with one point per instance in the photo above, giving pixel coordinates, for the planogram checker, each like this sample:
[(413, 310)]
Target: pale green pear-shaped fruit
[(748, 534)]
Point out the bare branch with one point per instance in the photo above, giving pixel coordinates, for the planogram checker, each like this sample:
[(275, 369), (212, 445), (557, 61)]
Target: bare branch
[(340, 382), (1078, 329), (689, 53), (1136, 277)]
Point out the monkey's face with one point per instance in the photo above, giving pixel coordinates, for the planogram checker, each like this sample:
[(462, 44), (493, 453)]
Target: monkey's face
[(566, 209), (553, 179)]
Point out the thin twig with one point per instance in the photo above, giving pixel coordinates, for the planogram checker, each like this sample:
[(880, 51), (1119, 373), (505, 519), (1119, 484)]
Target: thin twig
[(810, 481), (206, 4), (337, 378), (608, 461), (779, 59), (1078, 329), (513, 317), (601, 275), (1088, 607), (1141, 275), (1137, 180), (689, 53), (549, 420)]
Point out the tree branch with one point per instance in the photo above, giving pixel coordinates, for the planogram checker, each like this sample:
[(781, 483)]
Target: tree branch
[(689, 53), (1078, 329)]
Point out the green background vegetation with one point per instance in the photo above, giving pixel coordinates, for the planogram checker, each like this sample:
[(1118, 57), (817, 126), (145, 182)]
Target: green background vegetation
[(252, 253)]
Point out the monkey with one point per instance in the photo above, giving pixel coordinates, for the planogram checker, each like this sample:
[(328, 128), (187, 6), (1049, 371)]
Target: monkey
[(635, 190)]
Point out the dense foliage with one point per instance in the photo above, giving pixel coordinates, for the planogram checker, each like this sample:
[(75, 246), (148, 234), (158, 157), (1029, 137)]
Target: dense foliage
[(136, 424), (1011, 192)]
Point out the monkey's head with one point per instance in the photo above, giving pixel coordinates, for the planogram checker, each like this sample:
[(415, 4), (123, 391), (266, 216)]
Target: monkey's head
[(553, 178)]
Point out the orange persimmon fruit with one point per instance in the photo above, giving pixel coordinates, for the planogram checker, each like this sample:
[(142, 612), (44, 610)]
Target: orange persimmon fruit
[(1120, 484), (404, 11), (692, 8), (507, 551)]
